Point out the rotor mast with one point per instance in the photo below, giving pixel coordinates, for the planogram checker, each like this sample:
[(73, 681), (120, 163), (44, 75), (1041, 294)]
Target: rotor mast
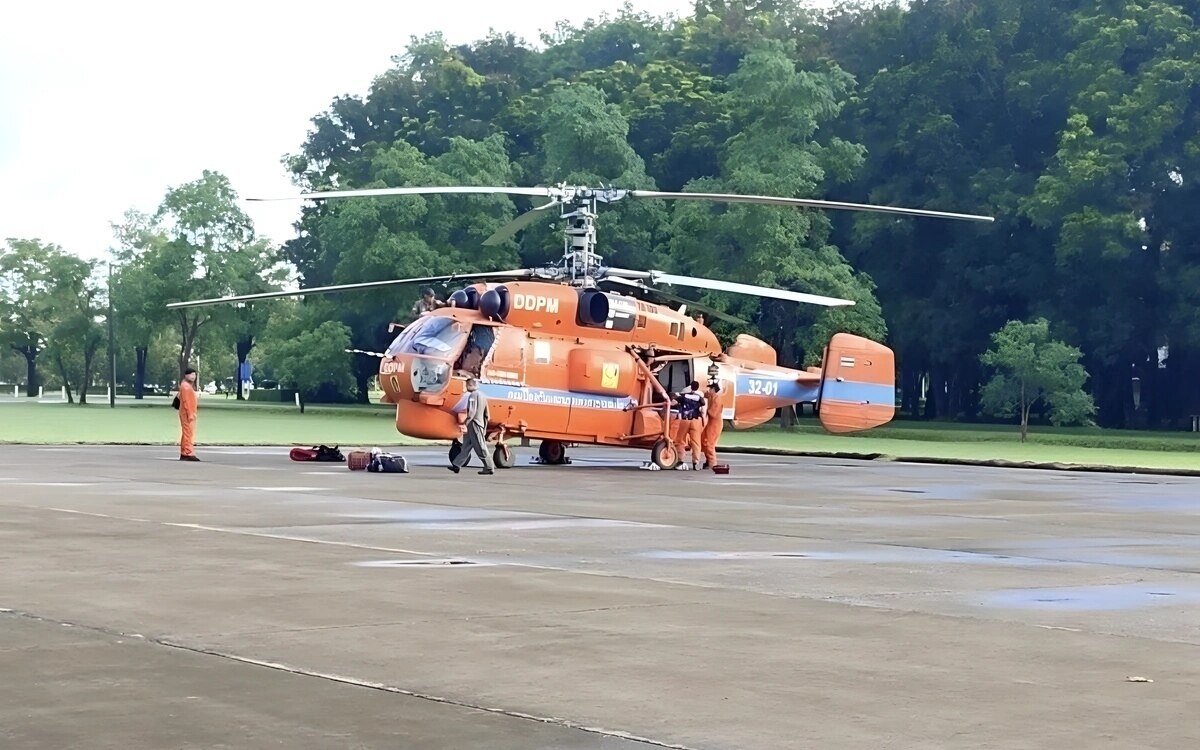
[(580, 259)]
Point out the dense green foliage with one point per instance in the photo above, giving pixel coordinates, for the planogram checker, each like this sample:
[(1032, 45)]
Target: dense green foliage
[(1075, 122), (1034, 370)]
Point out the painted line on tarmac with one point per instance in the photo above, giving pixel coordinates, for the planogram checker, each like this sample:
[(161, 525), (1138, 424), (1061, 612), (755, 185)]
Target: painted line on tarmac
[(283, 489), (331, 677), (344, 680), (239, 532), (57, 484)]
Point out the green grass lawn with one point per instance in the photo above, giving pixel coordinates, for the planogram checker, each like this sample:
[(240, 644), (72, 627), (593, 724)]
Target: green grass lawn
[(219, 422), (223, 422)]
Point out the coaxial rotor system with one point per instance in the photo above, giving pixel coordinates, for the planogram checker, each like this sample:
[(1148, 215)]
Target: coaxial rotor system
[(580, 264)]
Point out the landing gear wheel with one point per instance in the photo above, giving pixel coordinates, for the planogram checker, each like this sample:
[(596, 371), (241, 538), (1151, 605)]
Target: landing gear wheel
[(503, 456), (664, 455), (455, 449), (552, 452)]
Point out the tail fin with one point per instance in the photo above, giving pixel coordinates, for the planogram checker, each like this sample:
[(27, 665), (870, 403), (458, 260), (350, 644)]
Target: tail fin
[(858, 384)]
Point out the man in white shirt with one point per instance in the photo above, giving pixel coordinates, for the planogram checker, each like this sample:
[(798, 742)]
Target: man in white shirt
[(474, 430)]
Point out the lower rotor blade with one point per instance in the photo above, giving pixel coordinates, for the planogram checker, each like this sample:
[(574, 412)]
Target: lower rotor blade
[(808, 203), (518, 274), (757, 291), (548, 192), (517, 224), (710, 311)]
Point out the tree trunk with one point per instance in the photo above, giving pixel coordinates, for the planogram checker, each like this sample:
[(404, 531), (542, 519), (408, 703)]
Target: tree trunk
[(363, 382), (89, 357), (188, 340), (1024, 415), (785, 346), (910, 386), (31, 387), (1112, 393), (62, 370), (139, 375), (243, 351)]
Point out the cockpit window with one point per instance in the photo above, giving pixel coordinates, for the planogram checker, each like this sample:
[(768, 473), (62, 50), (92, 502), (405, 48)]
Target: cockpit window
[(433, 337)]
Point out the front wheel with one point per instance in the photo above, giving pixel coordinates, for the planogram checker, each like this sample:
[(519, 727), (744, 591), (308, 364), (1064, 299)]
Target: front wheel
[(664, 455), (503, 456), (552, 452)]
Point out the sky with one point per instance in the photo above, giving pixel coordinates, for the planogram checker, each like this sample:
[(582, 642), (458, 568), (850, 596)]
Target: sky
[(104, 106)]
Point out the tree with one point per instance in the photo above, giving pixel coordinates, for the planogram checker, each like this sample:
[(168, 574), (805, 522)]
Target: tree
[(405, 236), (958, 111), (71, 309), (776, 113), (1032, 368), (198, 244), (48, 306), (23, 275), (584, 140), (306, 351), (141, 314)]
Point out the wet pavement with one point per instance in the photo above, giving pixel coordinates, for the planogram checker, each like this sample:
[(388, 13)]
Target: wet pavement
[(249, 601)]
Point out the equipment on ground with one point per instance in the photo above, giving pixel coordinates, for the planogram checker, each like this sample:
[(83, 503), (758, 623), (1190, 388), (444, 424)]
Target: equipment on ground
[(323, 453), (576, 353)]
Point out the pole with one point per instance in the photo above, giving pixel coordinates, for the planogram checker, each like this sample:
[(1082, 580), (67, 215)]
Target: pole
[(112, 354)]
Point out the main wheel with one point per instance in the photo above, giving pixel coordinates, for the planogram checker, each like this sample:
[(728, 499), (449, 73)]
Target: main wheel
[(664, 455), (503, 456), (456, 448), (552, 452)]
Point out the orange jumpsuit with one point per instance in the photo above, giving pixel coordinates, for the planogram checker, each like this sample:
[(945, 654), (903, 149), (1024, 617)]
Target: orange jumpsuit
[(712, 429), (187, 418), (686, 435)]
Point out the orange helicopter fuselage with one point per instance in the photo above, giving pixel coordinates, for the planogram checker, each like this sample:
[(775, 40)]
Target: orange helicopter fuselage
[(586, 366)]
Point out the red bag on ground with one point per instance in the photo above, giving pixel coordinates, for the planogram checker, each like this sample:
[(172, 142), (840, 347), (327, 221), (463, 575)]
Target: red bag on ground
[(303, 454), (357, 460)]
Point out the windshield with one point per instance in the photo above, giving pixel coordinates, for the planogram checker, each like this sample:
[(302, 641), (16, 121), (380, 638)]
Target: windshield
[(440, 337)]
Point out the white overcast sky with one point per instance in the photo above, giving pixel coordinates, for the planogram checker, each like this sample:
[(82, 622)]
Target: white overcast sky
[(106, 105)]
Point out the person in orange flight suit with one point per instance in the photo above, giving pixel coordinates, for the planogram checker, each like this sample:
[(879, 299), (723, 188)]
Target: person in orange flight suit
[(713, 424), (187, 416), (688, 428)]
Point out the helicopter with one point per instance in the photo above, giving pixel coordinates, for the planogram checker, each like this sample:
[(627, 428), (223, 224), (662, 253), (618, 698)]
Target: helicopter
[(575, 353)]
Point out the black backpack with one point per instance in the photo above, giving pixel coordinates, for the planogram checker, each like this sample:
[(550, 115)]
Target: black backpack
[(325, 453), (386, 463), (689, 408)]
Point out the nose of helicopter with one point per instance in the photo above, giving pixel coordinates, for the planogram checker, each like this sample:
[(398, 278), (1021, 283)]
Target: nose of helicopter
[(409, 377)]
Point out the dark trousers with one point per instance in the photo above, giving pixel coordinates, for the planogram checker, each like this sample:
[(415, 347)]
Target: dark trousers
[(475, 440)]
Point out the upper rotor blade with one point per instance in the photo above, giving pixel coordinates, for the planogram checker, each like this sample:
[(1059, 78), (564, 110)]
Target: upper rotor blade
[(517, 224), (807, 202), (711, 311), (345, 287), (548, 192), (758, 291)]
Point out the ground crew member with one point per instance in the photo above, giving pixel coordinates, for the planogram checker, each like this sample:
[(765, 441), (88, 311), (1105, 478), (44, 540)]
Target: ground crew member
[(691, 423), (427, 303), (474, 429), (713, 424), (187, 416)]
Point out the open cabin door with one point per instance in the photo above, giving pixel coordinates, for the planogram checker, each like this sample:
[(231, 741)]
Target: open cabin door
[(675, 376), (505, 362), (727, 376)]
